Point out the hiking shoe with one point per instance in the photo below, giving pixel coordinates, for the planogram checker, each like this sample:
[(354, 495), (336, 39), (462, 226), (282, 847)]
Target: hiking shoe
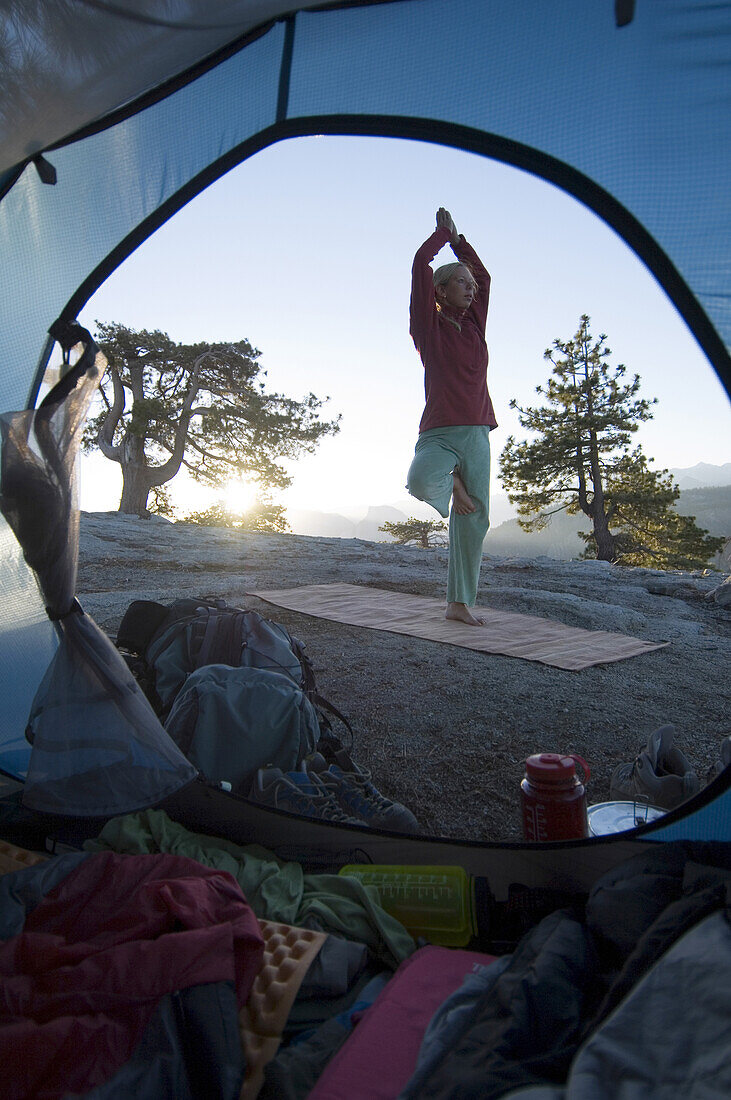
[(723, 761), (297, 793), (356, 795), (660, 775)]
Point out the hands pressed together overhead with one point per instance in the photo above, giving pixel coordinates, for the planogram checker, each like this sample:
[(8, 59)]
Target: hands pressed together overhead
[(444, 218)]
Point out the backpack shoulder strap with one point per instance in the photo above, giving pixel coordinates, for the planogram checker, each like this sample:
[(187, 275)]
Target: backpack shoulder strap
[(223, 638), (324, 708), (309, 685)]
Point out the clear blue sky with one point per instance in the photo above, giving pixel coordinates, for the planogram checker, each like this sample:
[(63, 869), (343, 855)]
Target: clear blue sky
[(306, 251)]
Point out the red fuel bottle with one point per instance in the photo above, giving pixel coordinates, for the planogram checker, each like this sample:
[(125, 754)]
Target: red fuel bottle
[(553, 799)]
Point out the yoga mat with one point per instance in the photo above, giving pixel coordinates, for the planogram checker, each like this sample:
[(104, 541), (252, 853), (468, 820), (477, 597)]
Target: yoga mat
[(506, 633)]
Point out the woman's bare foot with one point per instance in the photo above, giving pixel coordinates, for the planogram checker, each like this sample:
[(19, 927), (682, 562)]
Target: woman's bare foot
[(461, 499), (462, 614)]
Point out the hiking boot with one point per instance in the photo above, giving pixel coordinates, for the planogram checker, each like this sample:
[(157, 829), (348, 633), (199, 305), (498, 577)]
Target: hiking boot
[(356, 795), (297, 793), (660, 775), (722, 763)]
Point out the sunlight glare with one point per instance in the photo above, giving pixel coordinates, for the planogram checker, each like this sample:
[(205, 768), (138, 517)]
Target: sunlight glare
[(239, 496)]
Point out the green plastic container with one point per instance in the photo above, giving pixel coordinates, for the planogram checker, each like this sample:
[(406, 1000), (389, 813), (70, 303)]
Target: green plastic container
[(437, 903)]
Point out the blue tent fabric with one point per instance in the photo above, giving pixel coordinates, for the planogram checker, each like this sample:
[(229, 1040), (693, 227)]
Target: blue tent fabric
[(623, 105), (633, 111)]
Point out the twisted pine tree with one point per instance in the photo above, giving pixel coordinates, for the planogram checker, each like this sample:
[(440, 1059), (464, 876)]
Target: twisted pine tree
[(166, 406), (578, 459)]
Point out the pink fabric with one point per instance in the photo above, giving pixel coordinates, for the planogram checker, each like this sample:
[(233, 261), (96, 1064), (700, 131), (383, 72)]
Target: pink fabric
[(455, 362), (380, 1056), (99, 952)]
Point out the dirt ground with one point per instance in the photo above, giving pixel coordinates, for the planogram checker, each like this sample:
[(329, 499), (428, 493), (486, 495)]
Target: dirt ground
[(446, 730)]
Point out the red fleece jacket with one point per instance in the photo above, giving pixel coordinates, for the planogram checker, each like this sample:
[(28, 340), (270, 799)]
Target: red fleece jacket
[(81, 981), (455, 362)]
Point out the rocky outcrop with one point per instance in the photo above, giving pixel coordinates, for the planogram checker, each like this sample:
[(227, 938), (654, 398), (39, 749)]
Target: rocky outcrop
[(444, 730)]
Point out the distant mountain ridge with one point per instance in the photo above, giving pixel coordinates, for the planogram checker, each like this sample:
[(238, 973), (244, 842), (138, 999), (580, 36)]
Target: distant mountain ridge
[(701, 496), (702, 476), (711, 507), (335, 525), (305, 521)]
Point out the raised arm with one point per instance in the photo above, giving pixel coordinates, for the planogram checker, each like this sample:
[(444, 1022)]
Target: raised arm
[(422, 310)]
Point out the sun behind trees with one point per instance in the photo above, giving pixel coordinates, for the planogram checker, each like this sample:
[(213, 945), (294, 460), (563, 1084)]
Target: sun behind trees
[(579, 460), (262, 518), (201, 407)]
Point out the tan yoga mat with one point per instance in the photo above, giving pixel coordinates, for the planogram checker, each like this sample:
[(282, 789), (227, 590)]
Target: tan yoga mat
[(512, 635)]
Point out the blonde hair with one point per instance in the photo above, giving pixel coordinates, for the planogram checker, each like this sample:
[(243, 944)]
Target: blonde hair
[(442, 275)]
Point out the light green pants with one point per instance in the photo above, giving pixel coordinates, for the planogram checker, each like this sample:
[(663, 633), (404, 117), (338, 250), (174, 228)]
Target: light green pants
[(438, 452)]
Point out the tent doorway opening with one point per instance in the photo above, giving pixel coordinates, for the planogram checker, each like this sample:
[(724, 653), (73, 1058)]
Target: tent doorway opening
[(305, 250)]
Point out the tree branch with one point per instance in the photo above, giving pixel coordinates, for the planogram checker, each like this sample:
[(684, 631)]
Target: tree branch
[(112, 418), (170, 468)]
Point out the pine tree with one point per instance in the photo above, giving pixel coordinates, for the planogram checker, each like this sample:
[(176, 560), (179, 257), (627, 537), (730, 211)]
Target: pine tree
[(202, 407), (579, 460), (649, 531), (424, 532)]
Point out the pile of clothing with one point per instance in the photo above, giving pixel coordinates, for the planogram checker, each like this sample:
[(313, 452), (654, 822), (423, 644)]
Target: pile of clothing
[(163, 962)]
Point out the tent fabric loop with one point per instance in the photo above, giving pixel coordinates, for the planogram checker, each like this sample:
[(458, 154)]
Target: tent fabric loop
[(624, 12), (46, 172), (57, 616), (68, 333)]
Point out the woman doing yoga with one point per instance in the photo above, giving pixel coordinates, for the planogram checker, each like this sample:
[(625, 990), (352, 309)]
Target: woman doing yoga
[(452, 458)]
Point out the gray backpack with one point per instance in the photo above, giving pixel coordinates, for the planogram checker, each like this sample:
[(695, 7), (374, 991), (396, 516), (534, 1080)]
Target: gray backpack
[(175, 640), (235, 691), (231, 721)]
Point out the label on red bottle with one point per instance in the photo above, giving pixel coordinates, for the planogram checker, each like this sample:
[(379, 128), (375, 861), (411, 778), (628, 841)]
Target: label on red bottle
[(552, 818)]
